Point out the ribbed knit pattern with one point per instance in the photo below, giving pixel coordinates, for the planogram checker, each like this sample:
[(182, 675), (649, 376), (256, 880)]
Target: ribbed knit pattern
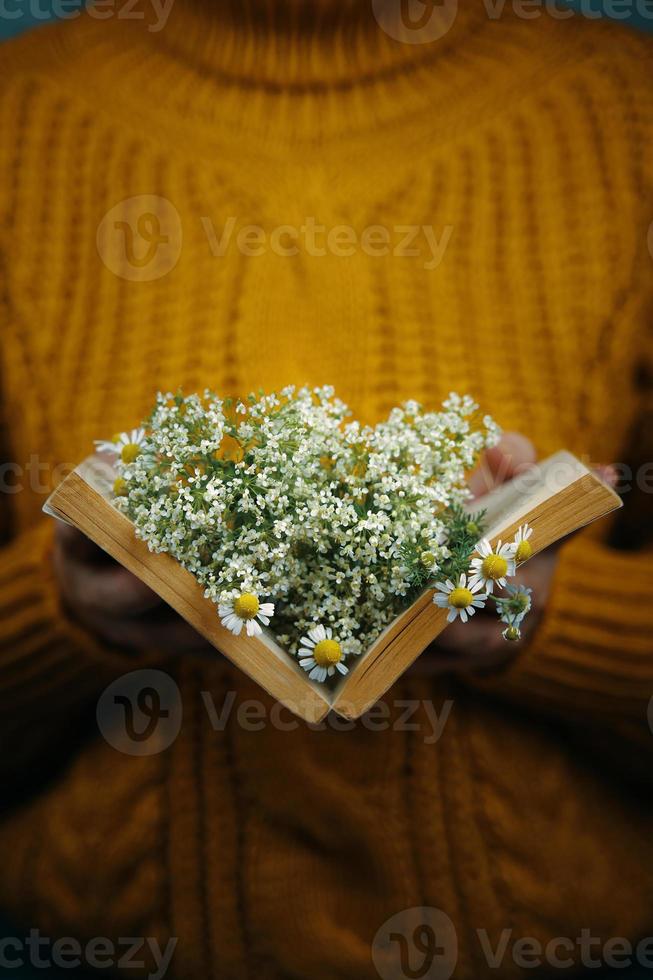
[(526, 143)]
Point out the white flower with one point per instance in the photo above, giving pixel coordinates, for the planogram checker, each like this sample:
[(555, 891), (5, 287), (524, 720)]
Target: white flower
[(288, 497), (244, 610), (494, 564), (462, 599), (516, 605), (320, 654), (523, 547), (512, 634), (127, 445)]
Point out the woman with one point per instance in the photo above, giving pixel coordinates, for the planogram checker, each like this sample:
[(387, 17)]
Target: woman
[(492, 178)]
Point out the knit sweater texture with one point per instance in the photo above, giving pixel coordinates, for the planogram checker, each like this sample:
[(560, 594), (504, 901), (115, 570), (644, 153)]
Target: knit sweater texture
[(524, 145)]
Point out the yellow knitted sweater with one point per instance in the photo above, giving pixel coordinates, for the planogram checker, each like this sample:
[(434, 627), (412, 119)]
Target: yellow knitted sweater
[(524, 146)]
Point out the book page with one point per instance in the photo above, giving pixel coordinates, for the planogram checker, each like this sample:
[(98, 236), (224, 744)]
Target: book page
[(98, 472), (509, 503)]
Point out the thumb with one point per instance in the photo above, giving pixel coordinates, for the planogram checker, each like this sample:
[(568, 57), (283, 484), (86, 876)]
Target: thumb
[(513, 454)]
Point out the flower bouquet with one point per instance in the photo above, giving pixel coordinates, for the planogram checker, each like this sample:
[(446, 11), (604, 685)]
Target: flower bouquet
[(321, 541)]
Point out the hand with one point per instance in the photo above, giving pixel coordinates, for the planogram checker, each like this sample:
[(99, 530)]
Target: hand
[(478, 645), (113, 604)]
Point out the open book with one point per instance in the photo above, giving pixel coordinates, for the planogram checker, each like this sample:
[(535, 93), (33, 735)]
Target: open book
[(556, 497)]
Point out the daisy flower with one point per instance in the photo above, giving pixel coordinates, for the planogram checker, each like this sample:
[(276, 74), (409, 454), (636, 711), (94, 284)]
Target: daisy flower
[(120, 488), (427, 559), (523, 547), (493, 566), (512, 634), (127, 445), (244, 610), (320, 654), (461, 600), (514, 607)]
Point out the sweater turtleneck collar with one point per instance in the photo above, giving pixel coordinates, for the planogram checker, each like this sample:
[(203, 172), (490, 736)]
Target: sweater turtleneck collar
[(309, 45), (297, 71)]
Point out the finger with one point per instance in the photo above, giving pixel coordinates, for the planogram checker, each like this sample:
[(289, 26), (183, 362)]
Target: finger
[(513, 454), (607, 473), (103, 589), (166, 634), (437, 660), (480, 636), (75, 544), (460, 647)]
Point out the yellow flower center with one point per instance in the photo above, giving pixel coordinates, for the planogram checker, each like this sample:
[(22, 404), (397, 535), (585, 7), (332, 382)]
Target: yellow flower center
[(130, 452), (494, 567), (246, 606), (520, 602), (460, 598), (120, 487), (327, 653), (524, 551)]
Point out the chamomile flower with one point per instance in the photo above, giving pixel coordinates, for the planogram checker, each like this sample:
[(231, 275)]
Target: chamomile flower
[(245, 610), (320, 654), (462, 599), (493, 565), (512, 634), (126, 445), (523, 547), (515, 605), (120, 487), (428, 560)]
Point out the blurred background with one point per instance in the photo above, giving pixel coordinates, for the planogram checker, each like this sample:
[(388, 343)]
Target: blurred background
[(16, 18)]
